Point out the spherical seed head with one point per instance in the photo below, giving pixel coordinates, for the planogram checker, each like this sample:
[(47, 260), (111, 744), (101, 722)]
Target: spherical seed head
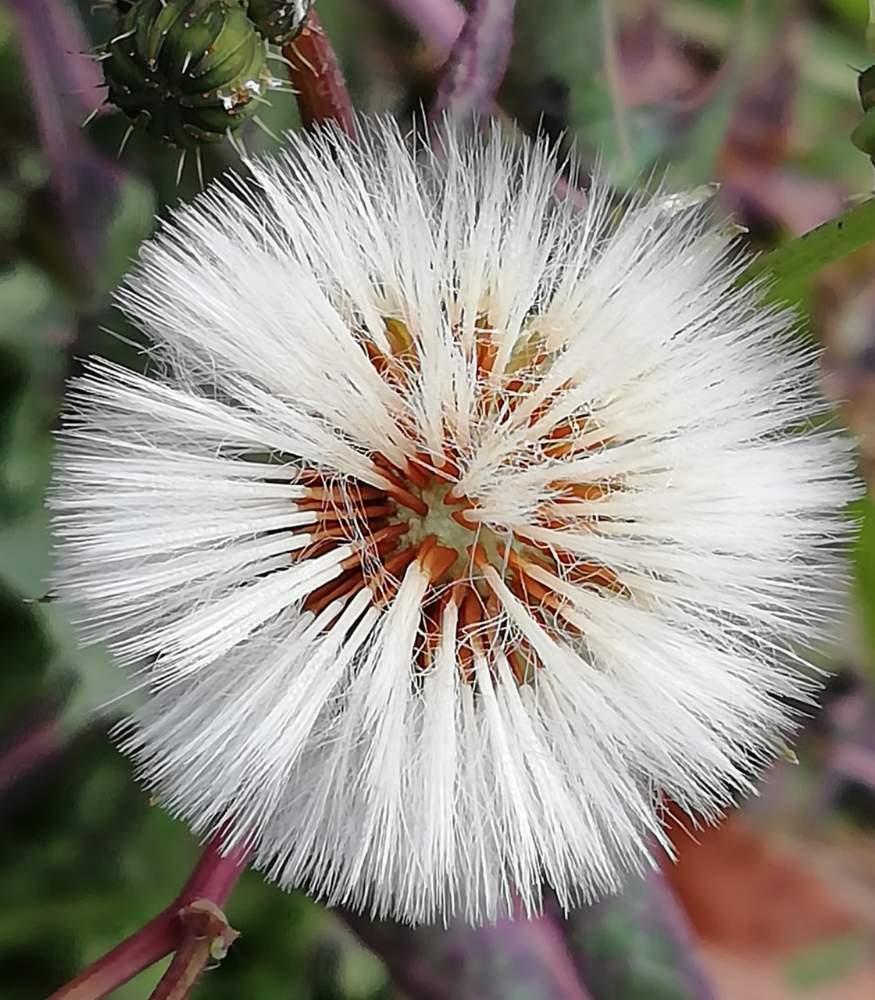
[(188, 71), (279, 20), (456, 531)]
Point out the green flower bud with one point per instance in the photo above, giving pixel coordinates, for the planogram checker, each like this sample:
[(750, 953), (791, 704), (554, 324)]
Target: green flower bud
[(187, 70), (279, 20)]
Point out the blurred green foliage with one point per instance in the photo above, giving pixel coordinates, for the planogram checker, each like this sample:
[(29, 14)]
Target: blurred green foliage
[(88, 859), (91, 859), (820, 966)]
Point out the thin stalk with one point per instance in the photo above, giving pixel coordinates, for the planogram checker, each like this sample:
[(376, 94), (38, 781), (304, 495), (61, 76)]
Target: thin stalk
[(440, 23)]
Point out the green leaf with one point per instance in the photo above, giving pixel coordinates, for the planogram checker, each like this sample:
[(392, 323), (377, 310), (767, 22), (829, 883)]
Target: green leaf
[(24, 553), (29, 303), (99, 691), (132, 221), (789, 268)]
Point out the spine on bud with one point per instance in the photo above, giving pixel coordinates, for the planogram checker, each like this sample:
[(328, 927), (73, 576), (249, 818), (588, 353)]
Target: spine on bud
[(188, 71)]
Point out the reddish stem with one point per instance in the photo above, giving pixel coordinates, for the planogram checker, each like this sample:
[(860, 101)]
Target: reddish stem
[(64, 86), (212, 880), (317, 78)]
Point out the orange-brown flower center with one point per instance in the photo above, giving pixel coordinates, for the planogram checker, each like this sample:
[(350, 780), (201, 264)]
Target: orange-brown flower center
[(419, 512)]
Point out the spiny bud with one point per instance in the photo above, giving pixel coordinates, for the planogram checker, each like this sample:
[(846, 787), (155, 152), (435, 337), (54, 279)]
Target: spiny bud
[(279, 20), (188, 70)]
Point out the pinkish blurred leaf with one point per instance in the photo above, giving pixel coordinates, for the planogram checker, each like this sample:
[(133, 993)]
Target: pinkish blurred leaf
[(756, 182), (637, 945), (439, 22), (655, 68), (510, 960), (757, 191)]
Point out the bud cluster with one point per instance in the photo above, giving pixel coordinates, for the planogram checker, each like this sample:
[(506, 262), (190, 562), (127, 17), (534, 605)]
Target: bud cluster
[(193, 71)]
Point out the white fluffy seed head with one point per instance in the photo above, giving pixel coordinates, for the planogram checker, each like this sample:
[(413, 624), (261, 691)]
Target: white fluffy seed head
[(455, 531)]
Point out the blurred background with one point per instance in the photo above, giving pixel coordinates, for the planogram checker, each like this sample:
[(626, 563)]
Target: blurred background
[(778, 902)]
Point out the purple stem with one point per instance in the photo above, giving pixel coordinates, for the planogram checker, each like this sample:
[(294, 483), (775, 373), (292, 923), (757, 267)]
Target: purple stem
[(478, 61), (440, 24), (65, 86), (512, 958)]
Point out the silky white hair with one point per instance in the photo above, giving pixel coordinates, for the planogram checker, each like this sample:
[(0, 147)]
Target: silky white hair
[(367, 758)]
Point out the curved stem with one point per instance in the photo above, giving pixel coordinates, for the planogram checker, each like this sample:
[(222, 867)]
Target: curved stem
[(212, 880), (441, 23), (478, 61)]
